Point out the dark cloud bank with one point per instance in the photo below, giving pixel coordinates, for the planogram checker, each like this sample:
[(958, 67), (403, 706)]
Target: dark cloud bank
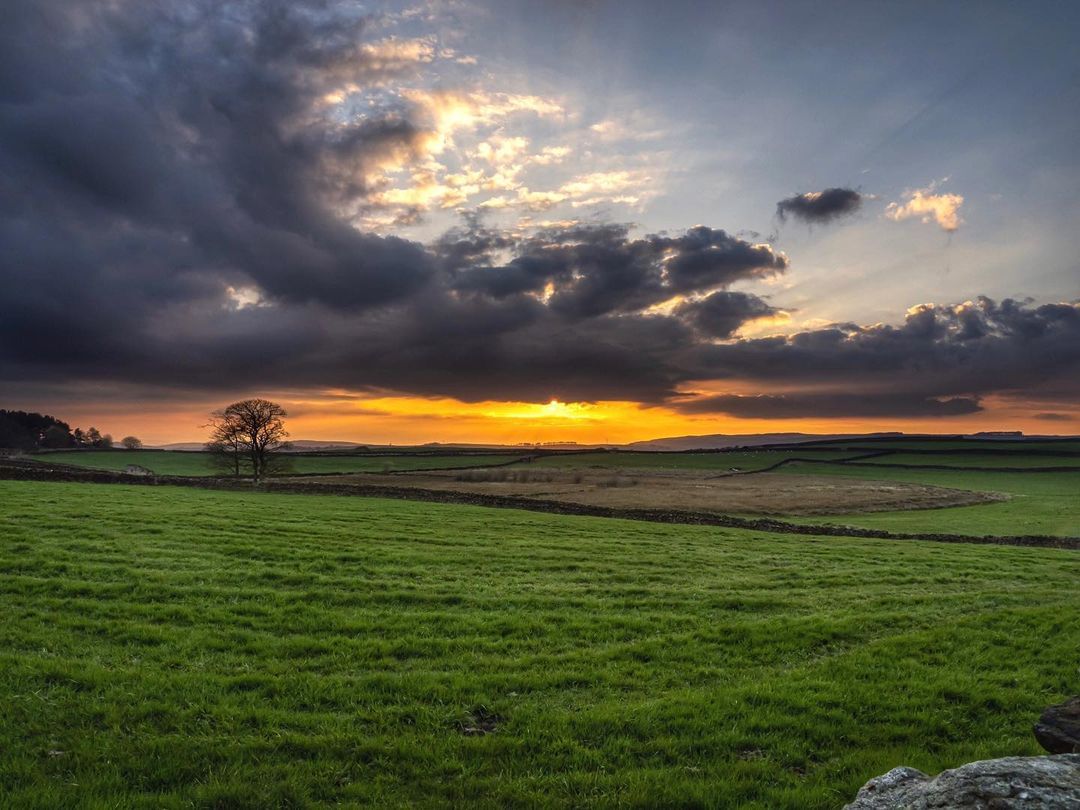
[(153, 159)]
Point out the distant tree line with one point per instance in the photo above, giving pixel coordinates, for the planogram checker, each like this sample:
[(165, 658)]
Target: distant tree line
[(23, 430)]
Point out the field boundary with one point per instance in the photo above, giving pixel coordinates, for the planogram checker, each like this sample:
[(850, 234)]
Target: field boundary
[(783, 461), (29, 471)]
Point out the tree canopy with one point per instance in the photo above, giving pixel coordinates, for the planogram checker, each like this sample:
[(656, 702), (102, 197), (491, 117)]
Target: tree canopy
[(247, 436), (23, 430)]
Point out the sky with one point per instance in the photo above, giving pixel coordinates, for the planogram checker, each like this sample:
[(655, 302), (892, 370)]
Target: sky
[(541, 221)]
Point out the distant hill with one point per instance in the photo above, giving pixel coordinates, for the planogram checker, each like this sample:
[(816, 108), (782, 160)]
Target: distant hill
[(714, 441), (315, 445)]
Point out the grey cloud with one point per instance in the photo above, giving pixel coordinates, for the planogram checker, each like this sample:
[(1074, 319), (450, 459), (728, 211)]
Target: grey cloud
[(594, 270), (820, 206), (801, 405), (1052, 416), (962, 351), (721, 314), (195, 122)]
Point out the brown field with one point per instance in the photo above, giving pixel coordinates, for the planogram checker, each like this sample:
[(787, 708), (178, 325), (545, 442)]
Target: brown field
[(759, 494)]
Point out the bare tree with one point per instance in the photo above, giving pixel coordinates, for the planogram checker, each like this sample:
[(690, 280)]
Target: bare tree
[(131, 443), (249, 433), (225, 445)]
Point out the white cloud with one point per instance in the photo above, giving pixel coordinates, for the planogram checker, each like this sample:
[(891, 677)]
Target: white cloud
[(944, 209)]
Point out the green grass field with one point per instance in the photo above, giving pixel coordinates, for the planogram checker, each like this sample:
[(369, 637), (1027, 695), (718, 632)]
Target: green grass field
[(741, 459), (1039, 503), (1060, 445), (166, 647), (976, 460), (195, 463)]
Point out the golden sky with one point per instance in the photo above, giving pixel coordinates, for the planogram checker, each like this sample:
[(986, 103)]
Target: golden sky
[(416, 420)]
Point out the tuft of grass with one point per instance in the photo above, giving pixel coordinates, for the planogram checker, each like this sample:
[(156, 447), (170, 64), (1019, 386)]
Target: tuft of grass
[(614, 481), (170, 647)]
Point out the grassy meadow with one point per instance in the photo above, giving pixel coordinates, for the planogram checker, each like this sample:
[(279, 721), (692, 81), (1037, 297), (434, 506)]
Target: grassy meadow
[(170, 647), (1011, 459), (980, 446), (744, 460), (1039, 502), (175, 462)]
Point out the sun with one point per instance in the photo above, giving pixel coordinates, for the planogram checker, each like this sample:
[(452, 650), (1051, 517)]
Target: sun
[(561, 410)]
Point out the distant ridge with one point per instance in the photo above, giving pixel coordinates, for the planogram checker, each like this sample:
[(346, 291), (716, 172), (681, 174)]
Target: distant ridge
[(670, 444)]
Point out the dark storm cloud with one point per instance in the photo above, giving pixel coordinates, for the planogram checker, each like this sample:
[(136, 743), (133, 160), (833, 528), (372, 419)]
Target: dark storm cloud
[(593, 270), (796, 405), (156, 156), (721, 314), (940, 353), (820, 206), (193, 123)]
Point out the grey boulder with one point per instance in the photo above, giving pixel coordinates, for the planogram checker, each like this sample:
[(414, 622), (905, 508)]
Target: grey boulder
[(1010, 783), (1058, 729)]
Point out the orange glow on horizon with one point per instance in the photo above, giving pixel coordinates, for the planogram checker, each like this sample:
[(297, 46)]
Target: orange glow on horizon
[(390, 419)]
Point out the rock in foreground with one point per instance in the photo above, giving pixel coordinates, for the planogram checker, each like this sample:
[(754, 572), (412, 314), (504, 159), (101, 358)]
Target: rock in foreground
[(1058, 729), (1011, 783)]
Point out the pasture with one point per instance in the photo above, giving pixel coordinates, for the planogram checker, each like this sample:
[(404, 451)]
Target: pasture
[(720, 461), (972, 446), (1010, 459), (983, 487), (173, 647), (176, 462), (1037, 502)]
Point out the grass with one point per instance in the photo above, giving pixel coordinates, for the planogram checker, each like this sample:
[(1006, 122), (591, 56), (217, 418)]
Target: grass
[(742, 459), (982, 445), (1012, 459), (1039, 503), (169, 462), (164, 647)]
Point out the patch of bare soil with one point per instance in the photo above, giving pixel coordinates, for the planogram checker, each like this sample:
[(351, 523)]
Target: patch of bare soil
[(478, 722), (762, 494)]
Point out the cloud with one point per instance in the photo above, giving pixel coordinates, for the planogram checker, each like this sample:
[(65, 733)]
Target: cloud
[(923, 203), (721, 314), (965, 351), (620, 186), (1052, 416), (589, 270), (820, 206), (841, 404), (182, 209)]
